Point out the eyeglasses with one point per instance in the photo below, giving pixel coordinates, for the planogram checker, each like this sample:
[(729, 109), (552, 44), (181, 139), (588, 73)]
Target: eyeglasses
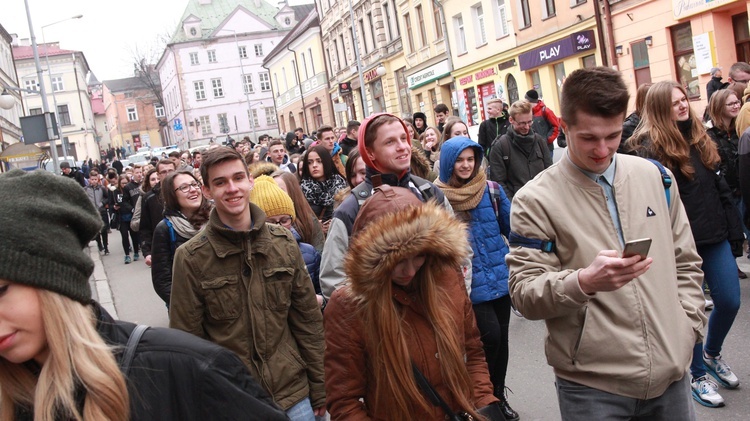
[(523, 123), (285, 220), (186, 187), (733, 104)]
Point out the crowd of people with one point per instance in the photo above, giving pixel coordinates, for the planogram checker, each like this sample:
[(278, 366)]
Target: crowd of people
[(370, 271)]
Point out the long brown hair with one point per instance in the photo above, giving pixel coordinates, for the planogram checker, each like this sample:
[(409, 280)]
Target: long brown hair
[(659, 134), (169, 198), (78, 357), (717, 109), (304, 221), (146, 184)]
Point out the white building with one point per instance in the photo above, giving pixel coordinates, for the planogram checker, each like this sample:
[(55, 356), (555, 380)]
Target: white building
[(10, 123), (212, 80), (65, 85)]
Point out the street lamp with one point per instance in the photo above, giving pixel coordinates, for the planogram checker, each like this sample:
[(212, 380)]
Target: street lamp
[(49, 73), (247, 94)]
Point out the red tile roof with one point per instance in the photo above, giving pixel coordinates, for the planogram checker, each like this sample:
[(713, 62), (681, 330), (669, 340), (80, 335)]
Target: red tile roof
[(26, 52)]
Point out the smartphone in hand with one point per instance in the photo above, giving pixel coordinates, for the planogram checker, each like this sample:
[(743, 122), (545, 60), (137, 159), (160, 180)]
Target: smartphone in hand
[(637, 248)]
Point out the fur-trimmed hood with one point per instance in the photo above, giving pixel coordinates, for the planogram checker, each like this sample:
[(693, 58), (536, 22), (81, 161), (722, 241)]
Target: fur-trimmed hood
[(428, 229), (260, 168)]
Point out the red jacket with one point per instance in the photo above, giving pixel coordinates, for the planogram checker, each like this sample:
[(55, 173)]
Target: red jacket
[(545, 122)]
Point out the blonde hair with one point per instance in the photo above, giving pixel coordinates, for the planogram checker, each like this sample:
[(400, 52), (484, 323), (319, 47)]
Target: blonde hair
[(78, 358)]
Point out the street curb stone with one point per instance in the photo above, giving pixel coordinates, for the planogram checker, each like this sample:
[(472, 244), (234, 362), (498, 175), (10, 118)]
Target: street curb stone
[(100, 289)]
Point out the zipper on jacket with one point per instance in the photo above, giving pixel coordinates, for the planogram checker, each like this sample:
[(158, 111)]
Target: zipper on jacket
[(580, 334)]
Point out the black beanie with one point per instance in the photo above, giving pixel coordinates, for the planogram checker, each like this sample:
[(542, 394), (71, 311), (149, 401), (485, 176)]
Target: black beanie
[(45, 222), (532, 96)]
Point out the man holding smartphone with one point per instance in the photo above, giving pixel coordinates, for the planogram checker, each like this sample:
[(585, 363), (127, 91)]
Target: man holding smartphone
[(621, 330)]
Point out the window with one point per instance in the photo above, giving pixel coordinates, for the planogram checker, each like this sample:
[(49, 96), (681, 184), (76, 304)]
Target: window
[(512, 89), (132, 113), (247, 82), (559, 77), (218, 89), (549, 8), (57, 83), (343, 50), (194, 59), (258, 50), (223, 123), (371, 32), (330, 62), (128, 94), (395, 21), (420, 21), (159, 111), (312, 60), (501, 19), (458, 23), (30, 84), (254, 122), (525, 16), (270, 113), (304, 66), (536, 84), (243, 51), (480, 35), (387, 19), (200, 90), (265, 82), (437, 21), (684, 58), (205, 124), (35, 111), (410, 37), (641, 63), (365, 44), (211, 56), (589, 61), (283, 74), (336, 51), (63, 115)]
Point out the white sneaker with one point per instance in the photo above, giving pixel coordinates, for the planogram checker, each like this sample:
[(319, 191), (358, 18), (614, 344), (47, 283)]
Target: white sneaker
[(709, 305), (705, 392), (721, 371)]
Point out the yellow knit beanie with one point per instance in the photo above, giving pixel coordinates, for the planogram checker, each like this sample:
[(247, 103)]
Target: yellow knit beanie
[(267, 195)]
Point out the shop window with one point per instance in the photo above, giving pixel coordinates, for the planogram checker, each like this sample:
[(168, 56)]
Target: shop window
[(472, 108), (684, 59), (433, 98), (403, 91), (741, 36), (589, 61), (420, 102), (641, 65), (512, 88), (487, 92), (378, 100), (559, 77), (536, 84)]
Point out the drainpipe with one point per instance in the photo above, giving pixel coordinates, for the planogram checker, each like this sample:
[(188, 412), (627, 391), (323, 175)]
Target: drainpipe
[(603, 43), (301, 94), (610, 33)]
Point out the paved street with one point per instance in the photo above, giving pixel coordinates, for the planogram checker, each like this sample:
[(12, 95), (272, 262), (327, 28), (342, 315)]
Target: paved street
[(529, 376)]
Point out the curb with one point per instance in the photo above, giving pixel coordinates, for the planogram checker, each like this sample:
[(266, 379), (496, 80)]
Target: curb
[(100, 289)]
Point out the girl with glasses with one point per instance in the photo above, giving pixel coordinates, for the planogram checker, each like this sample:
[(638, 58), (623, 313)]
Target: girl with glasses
[(185, 213)]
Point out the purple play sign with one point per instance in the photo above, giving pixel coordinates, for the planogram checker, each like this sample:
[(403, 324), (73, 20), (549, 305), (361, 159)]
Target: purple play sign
[(554, 51)]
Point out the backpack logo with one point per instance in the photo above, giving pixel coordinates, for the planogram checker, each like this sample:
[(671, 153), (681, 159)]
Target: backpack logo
[(649, 212)]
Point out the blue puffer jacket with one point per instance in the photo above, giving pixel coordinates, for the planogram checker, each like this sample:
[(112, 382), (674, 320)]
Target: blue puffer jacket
[(312, 260), (490, 278)]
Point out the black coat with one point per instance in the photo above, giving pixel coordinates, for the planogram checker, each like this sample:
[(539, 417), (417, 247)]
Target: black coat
[(77, 176), (491, 129), (178, 376), (162, 257), (715, 84), (727, 143), (152, 211), (628, 127)]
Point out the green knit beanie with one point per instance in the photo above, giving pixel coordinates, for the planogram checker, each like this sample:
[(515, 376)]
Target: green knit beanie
[(45, 222)]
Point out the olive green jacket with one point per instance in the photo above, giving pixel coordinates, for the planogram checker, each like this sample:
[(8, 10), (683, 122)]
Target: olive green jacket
[(250, 292)]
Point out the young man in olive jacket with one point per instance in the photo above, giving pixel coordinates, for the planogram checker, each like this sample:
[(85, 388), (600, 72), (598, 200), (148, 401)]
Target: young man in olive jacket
[(620, 330), (242, 283)]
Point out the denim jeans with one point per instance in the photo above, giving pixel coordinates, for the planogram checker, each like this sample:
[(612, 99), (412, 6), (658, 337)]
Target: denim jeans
[(720, 273), (302, 411), (579, 402), (493, 318)]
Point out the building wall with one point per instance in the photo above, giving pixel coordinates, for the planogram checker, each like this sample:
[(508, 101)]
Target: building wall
[(10, 123), (144, 130), (80, 119)]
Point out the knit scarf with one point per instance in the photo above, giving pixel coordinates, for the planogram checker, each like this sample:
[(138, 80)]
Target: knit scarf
[(182, 226), (468, 196), (321, 193)]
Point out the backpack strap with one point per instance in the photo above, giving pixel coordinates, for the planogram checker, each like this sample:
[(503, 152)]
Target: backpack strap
[(362, 192), (546, 246), (495, 197), (504, 142), (666, 180), (129, 353), (172, 235), (423, 186)]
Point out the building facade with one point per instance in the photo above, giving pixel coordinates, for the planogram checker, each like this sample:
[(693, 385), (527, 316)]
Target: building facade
[(10, 123), (133, 114), (300, 82), (67, 95), (213, 82)]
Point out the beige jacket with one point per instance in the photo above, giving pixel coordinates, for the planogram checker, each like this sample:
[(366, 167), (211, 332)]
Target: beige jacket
[(634, 341)]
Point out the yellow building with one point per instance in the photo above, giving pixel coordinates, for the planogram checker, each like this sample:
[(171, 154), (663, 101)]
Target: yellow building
[(501, 53), (300, 85)]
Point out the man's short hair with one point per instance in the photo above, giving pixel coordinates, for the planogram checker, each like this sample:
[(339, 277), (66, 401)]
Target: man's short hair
[(93, 173), (196, 153), (352, 125), (323, 129), (519, 107), (495, 101), (175, 154), (441, 108), (740, 66), (165, 162), (597, 91), (216, 156), (299, 129), (137, 166), (275, 142)]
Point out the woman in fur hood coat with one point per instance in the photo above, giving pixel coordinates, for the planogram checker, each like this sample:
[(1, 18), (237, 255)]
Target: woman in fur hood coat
[(405, 303)]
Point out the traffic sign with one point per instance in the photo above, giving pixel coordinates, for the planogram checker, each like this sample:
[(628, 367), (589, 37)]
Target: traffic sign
[(177, 125)]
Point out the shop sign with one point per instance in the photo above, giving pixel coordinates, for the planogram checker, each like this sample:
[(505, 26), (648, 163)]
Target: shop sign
[(370, 75), (506, 64), (554, 51), (684, 8), (345, 88), (703, 46), (429, 74), (485, 73), (465, 80)]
